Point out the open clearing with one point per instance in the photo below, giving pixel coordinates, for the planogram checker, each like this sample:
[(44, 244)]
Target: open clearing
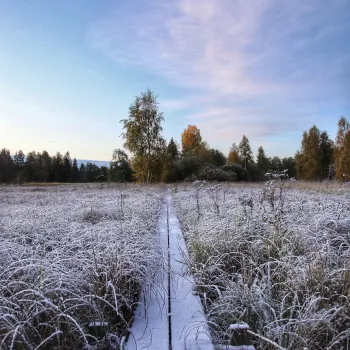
[(78, 262)]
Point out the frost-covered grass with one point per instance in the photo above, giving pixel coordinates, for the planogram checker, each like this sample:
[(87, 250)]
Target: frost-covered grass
[(74, 256), (275, 257)]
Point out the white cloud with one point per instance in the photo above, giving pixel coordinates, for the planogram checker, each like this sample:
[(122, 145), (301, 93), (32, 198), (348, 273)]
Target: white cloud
[(243, 60)]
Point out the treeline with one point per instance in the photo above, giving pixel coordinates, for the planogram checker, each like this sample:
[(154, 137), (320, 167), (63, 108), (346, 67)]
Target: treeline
[(41, 167), (154, 160)]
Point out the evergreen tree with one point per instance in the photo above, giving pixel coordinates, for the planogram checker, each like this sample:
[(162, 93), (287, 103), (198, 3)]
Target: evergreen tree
[(245, 152), (58, 167), (31, 167), (92, 172), (75, 171), (275, 164), (82, 173), (172, 150), (326, 149), (262, 160), (67, 167), (290, 165), (19, 163), (217, 157), (47, 173), (6, 166)]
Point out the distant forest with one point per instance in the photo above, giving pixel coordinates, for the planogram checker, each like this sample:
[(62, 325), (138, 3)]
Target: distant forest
[(155, 160)]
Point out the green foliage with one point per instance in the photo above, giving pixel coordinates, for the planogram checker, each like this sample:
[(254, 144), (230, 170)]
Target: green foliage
[(242, 174), (341, 151), (172, 150), (245, 152), (262, 160), (188, 166), (120, 169), (6, 166), (213, 173), (218, 157), (75, 171), (143, 137), (314, 159)]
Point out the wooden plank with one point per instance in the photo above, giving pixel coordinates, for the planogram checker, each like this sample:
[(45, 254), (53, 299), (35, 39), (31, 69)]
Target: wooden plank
[(150, 329), (188, 323)]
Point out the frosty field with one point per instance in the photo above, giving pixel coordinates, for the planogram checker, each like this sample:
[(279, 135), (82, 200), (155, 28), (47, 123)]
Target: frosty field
[(74, 256), (275, 255)]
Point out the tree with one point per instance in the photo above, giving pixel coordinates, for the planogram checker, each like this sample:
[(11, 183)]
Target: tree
[(261, 160), (191, 139), (6, 166), (120, 169), (19, 162), (82, 173), (326, 148), (58, 167), (92, 172), (31, 167), (46, 173), (75, 171), (345, 161), (233, 155), (217, 157), (245, 152), (172, 150), (340, 159), (275, 164), (143, 137), (315, 156), (290, 165), (67, 164)]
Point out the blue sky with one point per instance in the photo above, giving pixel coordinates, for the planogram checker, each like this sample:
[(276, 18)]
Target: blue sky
[(268, 69)]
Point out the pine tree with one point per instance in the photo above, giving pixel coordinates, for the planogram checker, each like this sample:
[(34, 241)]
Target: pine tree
[(262, 160), (82, 173), (75, 171), (245, 152), (326, 150), (47, 174), (67, 167), (6, 166), (19, 163), (58, 167), (172, 150)]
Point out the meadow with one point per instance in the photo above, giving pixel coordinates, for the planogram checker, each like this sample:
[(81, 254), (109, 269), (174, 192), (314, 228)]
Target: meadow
[(76, 260), (276, 256)]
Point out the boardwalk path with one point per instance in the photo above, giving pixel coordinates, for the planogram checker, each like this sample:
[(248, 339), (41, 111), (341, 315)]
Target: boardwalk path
[(174, 318)]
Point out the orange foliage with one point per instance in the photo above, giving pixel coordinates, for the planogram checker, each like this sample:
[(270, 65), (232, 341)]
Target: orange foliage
[(190, 139)]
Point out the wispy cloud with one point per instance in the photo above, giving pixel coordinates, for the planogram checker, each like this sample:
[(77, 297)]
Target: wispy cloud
[(238, 57)]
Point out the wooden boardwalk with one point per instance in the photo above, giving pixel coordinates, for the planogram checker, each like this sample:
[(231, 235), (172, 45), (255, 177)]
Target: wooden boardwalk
[(172, 318)]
